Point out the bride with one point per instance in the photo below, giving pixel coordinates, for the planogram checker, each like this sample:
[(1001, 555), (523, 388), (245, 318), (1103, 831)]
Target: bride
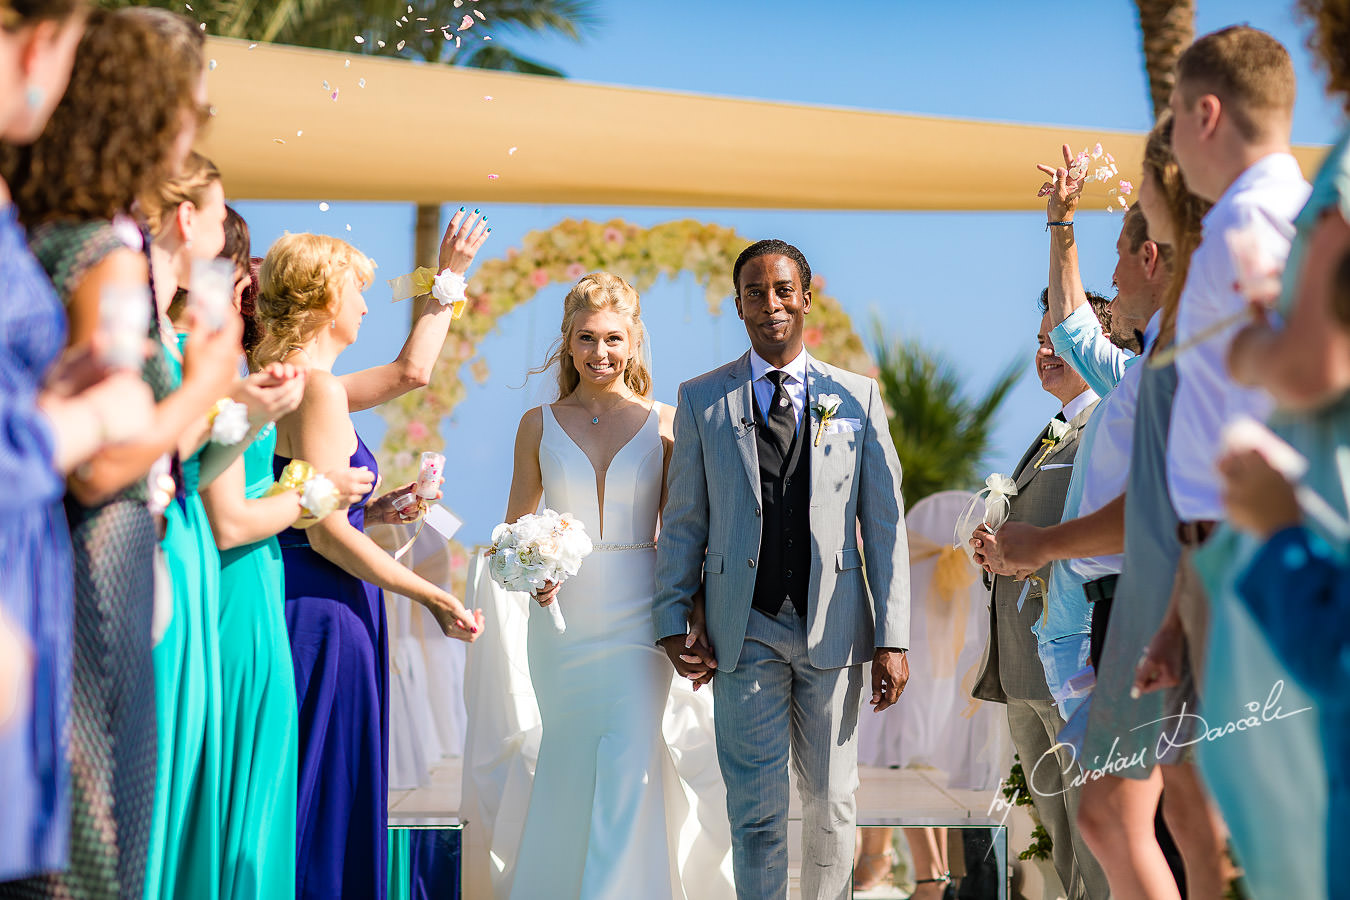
[(608, 814)]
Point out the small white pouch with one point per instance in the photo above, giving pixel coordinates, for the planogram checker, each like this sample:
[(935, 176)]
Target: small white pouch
[(843, 426)]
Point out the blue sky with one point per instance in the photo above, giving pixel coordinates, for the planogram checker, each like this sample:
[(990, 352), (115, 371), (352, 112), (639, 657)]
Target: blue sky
[(965, 284)]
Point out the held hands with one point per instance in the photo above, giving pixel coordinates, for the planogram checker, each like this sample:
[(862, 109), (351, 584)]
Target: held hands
[(463, 238), (1258, 497), (1015, 551), (692, 654), (890, 674), (547, 594), (271, 393), (1063, 191)]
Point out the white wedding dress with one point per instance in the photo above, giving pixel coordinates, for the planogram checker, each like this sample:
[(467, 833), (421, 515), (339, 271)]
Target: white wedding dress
[(614, 810)]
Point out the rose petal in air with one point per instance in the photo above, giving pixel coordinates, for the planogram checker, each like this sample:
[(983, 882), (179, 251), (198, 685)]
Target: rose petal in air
[(511, 152), (479, 14), (1097, 151), (361, 83), (1125, 186), (493, 177), (360, 40), (323, 207), (466, 22), (401, 45)]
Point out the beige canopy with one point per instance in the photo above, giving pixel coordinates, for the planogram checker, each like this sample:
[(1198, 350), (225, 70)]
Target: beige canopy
[(307, 124)]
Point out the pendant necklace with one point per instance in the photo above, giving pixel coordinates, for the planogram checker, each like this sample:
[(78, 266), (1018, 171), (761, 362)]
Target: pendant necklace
[(595, 420)]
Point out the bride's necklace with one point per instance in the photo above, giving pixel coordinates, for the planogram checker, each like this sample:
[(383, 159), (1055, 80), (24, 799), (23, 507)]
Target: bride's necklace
[(595, 419)]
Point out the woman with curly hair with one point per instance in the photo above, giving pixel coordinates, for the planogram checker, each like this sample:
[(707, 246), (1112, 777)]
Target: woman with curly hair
[(54, 414), (127, 120)]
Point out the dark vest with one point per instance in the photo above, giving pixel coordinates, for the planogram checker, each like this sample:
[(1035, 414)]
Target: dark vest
[(784, 568)]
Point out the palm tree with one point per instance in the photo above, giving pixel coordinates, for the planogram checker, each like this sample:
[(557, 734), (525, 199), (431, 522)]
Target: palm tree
[(1168, 28), (940, 435), (429, 31)]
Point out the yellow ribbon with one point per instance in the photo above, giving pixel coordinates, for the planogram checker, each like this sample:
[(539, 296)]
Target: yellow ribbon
[(418, 283), (295, 477), (948, 598)]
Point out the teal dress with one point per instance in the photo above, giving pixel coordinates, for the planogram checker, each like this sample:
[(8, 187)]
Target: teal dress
[(260, 728), (186, 833), (1271, 783)]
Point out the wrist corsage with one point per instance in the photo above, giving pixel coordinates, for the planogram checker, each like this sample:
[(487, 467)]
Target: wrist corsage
[(229, 422), (447, 288), (318, 495)]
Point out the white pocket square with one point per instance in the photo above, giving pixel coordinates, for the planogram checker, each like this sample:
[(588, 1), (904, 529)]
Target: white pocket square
[(843, 426), (1049, 466)]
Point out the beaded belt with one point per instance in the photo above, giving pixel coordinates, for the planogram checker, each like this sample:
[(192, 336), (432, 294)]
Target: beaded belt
[(648, 545)]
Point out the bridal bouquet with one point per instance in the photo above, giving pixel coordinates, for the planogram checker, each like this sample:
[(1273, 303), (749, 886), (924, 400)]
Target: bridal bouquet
[(537, 549)]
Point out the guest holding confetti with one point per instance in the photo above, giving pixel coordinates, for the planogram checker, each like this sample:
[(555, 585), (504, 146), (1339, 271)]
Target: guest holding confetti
[(260, 721), (310, 309)]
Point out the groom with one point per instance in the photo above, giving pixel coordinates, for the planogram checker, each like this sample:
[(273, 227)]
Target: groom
[(780, 463)]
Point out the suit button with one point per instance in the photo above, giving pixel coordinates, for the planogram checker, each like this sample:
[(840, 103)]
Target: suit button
[(750, 563), (789, 573), (756, 510)]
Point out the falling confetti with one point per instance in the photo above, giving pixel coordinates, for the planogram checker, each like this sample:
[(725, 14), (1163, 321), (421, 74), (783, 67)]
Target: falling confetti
[(278, 141), (459, 3), (347, 64), (493, 177), (480, 15), (457, 42), (360, 40), (466, 22), (511, 152), (323, 207), (251, 46), (349, 228), (335, 95), (487, 37), (381, 43), (487, 96), (361, 83), (211, 65), (401, 45), (327, 86), (299, 133)]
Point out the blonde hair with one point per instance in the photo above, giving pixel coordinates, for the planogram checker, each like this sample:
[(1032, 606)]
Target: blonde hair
[(159, 204), (1186, 210), (594, 292), (298, 286)]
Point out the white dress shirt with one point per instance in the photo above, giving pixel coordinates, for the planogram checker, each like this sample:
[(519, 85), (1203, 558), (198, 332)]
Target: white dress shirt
[(1078, 404), (1265, 198), (794, 384)]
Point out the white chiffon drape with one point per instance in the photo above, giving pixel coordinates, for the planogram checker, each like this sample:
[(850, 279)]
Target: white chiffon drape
[(937, 724)]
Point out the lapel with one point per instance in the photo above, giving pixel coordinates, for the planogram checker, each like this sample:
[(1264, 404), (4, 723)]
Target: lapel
[(741, 409), (1070, 439), (817, 383)]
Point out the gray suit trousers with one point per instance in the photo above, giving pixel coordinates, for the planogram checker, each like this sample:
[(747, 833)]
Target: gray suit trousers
[(773, 700), (1034, 724)]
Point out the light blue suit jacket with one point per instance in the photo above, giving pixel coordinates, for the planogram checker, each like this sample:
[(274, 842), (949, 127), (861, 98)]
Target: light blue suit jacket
[(710, 531)]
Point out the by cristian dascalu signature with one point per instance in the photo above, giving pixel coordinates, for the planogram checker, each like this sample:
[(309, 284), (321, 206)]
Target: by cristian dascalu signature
[(1183, 729)]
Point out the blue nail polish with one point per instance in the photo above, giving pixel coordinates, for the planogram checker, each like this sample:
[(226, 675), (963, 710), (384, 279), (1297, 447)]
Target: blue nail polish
[(461, 209), (475, 212)]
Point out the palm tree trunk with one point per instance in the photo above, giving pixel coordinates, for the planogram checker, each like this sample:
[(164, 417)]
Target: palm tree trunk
[(427, 235), (1168, 27)]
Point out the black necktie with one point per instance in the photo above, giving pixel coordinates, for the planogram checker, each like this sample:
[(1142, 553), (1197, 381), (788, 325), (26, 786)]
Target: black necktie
[(781, 419)]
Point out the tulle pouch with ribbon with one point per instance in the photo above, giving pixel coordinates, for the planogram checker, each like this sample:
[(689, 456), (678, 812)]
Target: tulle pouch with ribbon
[(990, 508)]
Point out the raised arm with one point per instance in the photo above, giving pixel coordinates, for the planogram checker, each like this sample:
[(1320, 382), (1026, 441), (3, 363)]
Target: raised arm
[(208, 372), (413, 366), (1066, 283), (684, 527), (321, 433)]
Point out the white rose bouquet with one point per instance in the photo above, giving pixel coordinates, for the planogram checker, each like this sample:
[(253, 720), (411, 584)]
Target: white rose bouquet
[(538, 549)]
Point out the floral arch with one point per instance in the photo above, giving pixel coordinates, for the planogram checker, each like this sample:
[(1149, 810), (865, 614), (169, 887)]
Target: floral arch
[(563, 254)]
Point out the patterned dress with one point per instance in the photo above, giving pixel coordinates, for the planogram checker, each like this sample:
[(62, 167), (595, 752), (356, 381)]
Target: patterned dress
[(35, 566), (111, 727)]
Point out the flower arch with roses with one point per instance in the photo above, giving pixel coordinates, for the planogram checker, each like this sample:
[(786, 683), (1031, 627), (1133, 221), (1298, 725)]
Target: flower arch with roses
[(562, 254)]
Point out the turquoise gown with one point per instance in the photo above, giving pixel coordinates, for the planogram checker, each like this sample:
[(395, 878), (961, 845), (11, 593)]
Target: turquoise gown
[(1271, 782), (186, 833), (260, 727)]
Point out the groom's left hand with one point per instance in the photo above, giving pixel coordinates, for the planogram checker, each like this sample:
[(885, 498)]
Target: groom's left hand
[(890, 672)]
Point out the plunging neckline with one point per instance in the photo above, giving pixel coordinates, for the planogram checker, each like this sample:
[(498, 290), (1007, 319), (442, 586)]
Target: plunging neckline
[(601, 480)]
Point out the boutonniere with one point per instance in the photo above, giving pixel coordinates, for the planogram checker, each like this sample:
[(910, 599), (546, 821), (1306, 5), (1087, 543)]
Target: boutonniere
[(825, 408), (1058, 430)]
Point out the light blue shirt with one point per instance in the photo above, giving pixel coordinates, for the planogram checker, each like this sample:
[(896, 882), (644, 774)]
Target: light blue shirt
[(1102, 465)]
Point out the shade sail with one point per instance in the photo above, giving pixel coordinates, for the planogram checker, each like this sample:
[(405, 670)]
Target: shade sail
[(298, 124)]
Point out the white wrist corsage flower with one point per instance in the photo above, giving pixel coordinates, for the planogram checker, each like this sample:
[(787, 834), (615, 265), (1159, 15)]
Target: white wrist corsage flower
[(229, 422)]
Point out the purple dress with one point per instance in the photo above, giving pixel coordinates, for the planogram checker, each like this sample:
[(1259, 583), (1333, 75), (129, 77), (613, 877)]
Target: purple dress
[(36, 584), (340, 650)]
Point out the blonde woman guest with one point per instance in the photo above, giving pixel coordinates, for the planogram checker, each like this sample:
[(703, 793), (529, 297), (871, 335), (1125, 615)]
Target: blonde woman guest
[(310, 310), (127, 118)]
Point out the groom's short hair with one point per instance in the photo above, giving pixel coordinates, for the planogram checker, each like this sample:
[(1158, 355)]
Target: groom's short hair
[(772, 247)]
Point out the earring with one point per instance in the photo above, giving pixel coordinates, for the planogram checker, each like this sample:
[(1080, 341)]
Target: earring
[(34, 96), (333, 324)]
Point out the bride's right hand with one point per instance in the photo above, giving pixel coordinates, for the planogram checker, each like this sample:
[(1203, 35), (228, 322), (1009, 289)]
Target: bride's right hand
[(547, 594), (456, 621)]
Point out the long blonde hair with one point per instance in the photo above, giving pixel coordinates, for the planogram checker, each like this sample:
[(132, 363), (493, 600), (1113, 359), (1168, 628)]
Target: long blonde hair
[(298, 287), (595, 292), (1186, 210)]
